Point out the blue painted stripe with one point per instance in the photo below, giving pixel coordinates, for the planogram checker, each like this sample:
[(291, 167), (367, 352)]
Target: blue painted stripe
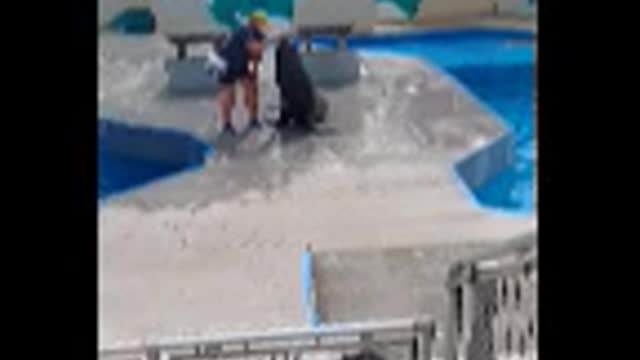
[(308, 289)]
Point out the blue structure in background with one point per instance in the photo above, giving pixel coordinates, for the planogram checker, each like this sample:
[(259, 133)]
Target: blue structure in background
[(496, 66), (135, 21), (129, 157)]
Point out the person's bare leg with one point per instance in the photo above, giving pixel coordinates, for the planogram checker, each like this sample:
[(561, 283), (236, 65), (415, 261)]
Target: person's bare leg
[(226, 102), (250, 90)]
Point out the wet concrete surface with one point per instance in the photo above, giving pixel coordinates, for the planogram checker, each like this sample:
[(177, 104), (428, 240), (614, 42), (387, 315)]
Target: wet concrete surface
[(217, 249), (399, 111), (357, 284)]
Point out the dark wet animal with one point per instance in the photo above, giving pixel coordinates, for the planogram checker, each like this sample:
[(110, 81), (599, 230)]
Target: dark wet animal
[(302, 105)]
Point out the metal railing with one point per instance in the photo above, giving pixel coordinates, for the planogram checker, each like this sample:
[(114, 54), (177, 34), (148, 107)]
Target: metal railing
[(493, 303), (416, 336)]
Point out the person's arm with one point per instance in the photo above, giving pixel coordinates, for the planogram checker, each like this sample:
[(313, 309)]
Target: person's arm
[(254, 60), (255, 44), (254, 49)]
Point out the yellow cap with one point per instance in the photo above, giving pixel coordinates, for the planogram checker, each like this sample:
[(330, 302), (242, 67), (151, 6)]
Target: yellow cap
[(259, 16)]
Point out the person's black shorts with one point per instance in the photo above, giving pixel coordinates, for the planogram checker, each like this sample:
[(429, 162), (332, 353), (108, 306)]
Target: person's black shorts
[(230, 76)]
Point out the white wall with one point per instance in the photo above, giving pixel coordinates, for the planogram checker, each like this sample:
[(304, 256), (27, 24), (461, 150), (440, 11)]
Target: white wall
[(513, 6), (334, 12), (447, 8), (183, 17)]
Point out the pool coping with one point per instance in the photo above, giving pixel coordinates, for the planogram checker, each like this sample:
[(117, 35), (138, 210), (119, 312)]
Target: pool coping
[(480, 20), (435, 31)]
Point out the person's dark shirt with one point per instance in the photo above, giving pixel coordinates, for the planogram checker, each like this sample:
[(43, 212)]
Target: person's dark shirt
[(234, 52)]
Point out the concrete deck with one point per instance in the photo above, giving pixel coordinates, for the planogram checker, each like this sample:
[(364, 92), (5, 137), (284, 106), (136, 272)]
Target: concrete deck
[(218, 250), (356, 284), (378, 284)]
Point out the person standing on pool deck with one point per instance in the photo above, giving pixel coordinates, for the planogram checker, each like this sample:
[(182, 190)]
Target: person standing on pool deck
[(242, 53)]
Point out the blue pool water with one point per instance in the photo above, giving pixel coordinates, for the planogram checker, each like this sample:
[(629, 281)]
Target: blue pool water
[(512, 188), (129, 157), (497, 68)]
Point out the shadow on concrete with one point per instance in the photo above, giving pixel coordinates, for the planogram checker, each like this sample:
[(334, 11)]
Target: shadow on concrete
[(166, 95)]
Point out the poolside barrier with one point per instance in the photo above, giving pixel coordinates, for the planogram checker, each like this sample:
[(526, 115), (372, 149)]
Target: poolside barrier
[(493, 303), (414, 336)]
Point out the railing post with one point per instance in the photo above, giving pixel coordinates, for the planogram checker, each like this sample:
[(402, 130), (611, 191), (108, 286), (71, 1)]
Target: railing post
[(425, 331), (152, 354), (306, 44), (454, 317), (455, 287), (342, 43), (414, 349), (469, 300), (181, 50)]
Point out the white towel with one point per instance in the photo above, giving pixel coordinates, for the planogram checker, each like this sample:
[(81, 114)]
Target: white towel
[(215, 62)]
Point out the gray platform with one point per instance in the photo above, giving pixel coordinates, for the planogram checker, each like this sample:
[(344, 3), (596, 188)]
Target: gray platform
[(190, 76), (327, 69)]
